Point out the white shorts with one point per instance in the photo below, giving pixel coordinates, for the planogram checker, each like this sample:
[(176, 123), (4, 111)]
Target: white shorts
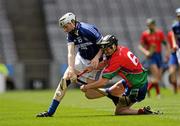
[(81, 64)]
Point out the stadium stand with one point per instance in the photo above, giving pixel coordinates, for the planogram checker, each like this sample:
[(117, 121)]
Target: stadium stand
[(31, 40), (8, 49), (124, 18), (29, 31)]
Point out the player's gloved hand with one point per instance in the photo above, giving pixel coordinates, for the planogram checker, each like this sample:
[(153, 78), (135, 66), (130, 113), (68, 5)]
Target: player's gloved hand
[(71, 76), (74, 78)]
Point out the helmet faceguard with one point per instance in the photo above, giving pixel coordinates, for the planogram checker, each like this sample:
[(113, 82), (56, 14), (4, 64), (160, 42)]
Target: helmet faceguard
[(108, 41), (67, 18)]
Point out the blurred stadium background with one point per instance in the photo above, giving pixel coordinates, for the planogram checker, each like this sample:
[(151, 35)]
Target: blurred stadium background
[(34, 48)]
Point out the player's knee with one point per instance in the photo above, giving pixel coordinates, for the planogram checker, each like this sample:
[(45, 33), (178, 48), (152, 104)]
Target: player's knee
[(123, 105), (88, 96), (91, 94), (155, 80), (172, 79), (123, 102), (58, 93)]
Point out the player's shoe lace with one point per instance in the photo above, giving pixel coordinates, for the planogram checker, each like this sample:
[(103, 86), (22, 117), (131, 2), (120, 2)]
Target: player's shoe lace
[(43, 114)]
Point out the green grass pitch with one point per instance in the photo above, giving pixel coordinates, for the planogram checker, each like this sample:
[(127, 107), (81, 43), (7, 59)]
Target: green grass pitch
[(18, 108)]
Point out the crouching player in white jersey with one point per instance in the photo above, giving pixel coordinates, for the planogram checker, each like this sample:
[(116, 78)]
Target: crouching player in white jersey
[(84, 37)]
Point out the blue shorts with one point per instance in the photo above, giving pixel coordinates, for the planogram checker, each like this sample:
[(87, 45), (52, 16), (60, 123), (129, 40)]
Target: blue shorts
[(136, 94), (156, 58), (173, 59)]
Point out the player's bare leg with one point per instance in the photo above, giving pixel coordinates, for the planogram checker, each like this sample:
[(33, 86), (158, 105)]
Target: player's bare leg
[(142, 111), (124, 108), (58, 96), (94, 93), (118, 88), (130, 97), (173, 77), (155, 78), (113, 92)]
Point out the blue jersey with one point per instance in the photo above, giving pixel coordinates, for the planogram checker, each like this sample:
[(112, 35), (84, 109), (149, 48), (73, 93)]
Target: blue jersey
[(85, 39), (176, 30)]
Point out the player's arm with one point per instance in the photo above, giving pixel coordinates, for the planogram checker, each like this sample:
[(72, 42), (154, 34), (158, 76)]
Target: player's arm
[(100, 66), (143, 50), (174, 44), (142, 46), (168, 49), (166, 44), (71, 57), (108, 73), (97, 84), (95, 60), (95, 36)]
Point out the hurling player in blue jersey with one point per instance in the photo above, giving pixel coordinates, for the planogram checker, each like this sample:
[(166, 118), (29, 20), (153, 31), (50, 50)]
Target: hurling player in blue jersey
[(174, 61), (85, 38)]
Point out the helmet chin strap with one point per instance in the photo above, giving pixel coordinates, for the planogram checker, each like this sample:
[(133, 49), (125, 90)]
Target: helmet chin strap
[(114, 48), (74, 31)]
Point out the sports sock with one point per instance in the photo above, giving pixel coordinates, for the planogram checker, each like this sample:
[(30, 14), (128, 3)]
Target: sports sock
[(115, 99), (150, 85), (175, 87), (157, 88), (53, 107), (140, 111)]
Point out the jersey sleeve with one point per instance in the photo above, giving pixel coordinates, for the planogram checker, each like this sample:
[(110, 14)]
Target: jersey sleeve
[(112, 69), (173, 27), (69, 38), (92, 34), (169, 38)]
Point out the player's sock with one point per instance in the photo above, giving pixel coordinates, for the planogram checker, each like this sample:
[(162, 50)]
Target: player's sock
[(145, 110), (175, 87), (150, 85), (157, 88), (140, 111), (53, 107), (115, 99)]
